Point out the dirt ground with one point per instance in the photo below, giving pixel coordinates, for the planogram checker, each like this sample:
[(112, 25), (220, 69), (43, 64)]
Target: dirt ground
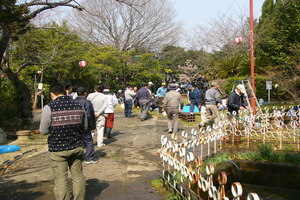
[(126, 165)]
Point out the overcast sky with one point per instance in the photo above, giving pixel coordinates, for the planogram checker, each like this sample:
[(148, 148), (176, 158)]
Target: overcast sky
[(200, 12)]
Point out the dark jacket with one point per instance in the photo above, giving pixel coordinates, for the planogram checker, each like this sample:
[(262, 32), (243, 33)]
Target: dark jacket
[(195, 95), (143, 94), (235, 101), (88, 107)]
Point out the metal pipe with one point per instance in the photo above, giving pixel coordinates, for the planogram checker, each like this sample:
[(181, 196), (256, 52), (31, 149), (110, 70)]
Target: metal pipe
[(253, 103)]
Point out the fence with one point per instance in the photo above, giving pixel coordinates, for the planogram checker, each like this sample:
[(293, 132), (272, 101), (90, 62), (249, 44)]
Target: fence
[(182, 154)]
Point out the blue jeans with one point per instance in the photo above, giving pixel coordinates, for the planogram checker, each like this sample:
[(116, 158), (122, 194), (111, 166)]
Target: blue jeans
[(89, 145), (128, 108), (192, 105)]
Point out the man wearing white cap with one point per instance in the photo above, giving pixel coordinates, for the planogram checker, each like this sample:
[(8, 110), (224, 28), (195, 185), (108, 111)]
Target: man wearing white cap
[(236, 99), (150, 85)]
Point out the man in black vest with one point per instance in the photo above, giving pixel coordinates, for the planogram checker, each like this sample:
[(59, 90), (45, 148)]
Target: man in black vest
[(65, 121)]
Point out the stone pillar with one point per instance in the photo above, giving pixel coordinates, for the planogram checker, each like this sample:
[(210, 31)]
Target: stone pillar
[(24, 134)]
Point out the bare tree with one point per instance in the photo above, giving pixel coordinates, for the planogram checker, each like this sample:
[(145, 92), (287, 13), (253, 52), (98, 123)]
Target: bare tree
[(221, 32), (134, 24)]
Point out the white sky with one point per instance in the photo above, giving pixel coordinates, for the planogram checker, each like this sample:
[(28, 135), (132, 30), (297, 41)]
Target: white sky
[(200, 12)]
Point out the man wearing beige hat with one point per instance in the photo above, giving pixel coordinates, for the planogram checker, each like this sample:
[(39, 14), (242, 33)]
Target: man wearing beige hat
[(171, 104), (212, 99)]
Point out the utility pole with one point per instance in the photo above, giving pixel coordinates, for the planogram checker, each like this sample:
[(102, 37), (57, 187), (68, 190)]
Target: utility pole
[(253, 103)]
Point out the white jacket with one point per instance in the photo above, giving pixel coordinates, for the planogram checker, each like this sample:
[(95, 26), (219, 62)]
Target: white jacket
[(112, 101)]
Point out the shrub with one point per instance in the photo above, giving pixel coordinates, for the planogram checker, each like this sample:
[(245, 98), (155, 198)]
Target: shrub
[(260, 85)]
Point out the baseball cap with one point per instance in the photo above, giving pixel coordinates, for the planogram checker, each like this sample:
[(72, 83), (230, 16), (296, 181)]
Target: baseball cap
[(164, 84), (189, 85), (150, 83), (241, 87)]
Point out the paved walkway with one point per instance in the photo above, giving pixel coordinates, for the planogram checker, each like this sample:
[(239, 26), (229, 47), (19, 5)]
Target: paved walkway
[(126, 166)]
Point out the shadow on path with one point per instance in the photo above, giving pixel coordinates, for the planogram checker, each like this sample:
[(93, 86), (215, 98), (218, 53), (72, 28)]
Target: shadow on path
[(94, 188), (22, 190)]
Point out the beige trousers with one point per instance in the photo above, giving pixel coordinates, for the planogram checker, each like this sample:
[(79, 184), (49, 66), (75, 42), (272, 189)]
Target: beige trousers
[(62, 161), (211, 112)]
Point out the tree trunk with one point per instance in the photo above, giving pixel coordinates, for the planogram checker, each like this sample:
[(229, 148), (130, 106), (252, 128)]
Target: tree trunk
[(24, 99), (35, 101)]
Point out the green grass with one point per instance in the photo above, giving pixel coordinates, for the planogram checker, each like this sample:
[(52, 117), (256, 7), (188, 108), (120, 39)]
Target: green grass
[(278, 105), (118, 108), (158, 185), (217, 159), (114, 156), (264, 153)]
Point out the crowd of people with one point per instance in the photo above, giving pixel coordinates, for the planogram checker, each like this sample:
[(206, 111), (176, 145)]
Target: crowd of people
[(73, 118)]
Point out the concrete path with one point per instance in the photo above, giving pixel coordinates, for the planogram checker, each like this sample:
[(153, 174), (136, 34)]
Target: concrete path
[(126, 166)]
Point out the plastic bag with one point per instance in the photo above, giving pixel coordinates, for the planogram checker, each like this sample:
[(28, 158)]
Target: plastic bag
[(9, 148)]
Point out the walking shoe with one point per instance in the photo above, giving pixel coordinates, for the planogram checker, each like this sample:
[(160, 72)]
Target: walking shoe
[(101, 145), (201, 126), (170, 131), (91, 161)]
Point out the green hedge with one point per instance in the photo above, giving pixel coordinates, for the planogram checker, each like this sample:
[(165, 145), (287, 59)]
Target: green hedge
[(260, 84)]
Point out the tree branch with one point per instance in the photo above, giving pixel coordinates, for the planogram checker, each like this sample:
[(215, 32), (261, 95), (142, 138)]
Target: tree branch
[(24, 65), (131, 5), (48, 6), (60, 32)]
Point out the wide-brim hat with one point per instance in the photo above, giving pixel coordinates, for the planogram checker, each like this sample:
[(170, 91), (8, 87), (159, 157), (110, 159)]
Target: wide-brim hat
[(172, 86)]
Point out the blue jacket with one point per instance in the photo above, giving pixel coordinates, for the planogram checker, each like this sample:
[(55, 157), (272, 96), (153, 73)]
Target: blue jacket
[(161, 92), (195, 95)]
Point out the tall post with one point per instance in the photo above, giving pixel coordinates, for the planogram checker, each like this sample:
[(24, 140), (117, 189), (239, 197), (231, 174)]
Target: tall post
[(253, 103)]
